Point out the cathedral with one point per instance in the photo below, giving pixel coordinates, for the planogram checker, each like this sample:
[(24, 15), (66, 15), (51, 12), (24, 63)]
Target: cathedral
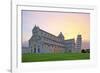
[(45, 42)]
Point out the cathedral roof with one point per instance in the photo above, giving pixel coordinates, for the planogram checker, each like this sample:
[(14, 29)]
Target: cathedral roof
[(61, 35)]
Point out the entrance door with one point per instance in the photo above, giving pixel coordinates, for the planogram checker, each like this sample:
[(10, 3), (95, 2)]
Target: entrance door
[(34, 50)]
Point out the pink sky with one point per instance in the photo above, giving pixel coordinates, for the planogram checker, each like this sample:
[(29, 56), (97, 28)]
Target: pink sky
[(70, 24)]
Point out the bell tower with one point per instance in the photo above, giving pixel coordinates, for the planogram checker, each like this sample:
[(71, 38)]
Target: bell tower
[(78, 43)]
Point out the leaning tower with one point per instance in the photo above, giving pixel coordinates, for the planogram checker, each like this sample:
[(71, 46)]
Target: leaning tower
[(78, 43)]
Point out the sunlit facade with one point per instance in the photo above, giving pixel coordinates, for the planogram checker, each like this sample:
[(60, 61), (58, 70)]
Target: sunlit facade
[(44, 42)]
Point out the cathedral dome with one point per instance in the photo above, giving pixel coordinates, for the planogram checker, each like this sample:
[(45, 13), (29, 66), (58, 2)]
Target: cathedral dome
[(61, 36)]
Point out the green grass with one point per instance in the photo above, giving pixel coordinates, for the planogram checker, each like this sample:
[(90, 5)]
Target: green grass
[(54, 57)]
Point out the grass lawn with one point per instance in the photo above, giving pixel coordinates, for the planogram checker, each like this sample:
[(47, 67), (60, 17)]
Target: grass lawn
[(54, 57)]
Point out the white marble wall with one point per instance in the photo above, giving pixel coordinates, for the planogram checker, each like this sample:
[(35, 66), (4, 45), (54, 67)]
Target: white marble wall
[(48, 43)]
